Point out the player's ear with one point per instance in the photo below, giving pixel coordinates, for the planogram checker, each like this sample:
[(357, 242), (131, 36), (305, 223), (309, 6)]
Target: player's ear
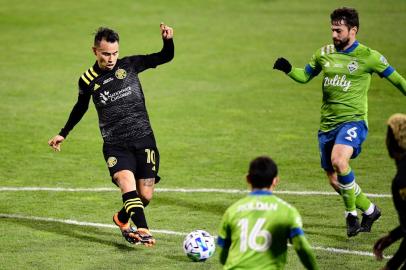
[(248, 179), (275, 182), (94, 50)]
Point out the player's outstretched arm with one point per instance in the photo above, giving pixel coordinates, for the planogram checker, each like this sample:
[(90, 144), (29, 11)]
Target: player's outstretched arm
[(397, 80), (298, 74), (76, 114), (304, 252), (165, 55), (396, 261)]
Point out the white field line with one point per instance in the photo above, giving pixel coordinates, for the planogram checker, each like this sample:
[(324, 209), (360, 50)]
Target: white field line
[(101, 225), (184, 190)]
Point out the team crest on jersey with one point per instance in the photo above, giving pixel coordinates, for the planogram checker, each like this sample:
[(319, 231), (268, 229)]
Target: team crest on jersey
[(383, 60), (352, 66), (111, 161), (121, 74)]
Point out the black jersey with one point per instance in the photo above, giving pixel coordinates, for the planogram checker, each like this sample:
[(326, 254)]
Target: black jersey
[(119, 100), (118, 97), (399, 199)]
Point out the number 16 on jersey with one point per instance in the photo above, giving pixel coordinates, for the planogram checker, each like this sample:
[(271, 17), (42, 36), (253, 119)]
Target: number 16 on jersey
[(249, 239)]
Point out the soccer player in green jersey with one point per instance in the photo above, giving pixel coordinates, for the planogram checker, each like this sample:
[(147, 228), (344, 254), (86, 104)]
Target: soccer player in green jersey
[(347, 66), (255, 230)]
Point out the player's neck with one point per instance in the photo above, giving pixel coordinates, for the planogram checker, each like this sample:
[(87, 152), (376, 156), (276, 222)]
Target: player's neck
[(350, 43), (270, 189)]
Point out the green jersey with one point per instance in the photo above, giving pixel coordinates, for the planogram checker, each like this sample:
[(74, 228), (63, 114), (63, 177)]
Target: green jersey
[(256, 230), (346, 80)]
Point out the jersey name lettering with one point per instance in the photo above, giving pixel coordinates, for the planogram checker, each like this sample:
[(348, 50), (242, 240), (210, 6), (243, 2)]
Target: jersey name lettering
[(263, 206)]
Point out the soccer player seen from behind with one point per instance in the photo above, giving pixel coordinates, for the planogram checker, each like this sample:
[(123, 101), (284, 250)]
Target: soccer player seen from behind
[(129, 146), (347, 66), (254, 231), (396, 144)]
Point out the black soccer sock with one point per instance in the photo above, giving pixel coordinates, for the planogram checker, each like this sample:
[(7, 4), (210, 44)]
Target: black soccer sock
[(135, 209), (123, 217)]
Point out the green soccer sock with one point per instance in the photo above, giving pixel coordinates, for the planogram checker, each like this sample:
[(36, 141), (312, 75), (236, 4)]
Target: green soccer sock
[(362, 202), (346, 182)]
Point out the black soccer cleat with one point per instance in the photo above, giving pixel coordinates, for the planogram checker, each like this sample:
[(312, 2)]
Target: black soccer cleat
[(368, 220), (353, 227)]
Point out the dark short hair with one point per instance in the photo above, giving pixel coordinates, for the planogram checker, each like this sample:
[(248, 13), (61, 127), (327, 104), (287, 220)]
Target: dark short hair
[(107, 34), (348, 15), (262, 172), (396, 135)]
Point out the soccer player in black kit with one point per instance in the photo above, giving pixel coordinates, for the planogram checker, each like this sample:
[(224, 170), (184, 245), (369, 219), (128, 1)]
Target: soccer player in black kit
[(396, 144), (129, 146)]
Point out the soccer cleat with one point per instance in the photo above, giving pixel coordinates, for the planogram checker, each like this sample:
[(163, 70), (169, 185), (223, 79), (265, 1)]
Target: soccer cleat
[(145, 237), (128, 232), (353, 227), (368, 220)]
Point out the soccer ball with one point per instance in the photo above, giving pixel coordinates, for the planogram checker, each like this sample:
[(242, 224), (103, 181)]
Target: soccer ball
[(199, 245)]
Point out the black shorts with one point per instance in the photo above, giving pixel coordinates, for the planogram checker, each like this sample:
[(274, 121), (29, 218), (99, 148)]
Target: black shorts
[(141, 157)]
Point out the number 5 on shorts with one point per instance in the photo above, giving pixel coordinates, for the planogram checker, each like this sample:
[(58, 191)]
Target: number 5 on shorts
[(150, 157)]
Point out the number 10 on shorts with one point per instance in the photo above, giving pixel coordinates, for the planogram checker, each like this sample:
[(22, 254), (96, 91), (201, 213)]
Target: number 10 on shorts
[(150, 157)]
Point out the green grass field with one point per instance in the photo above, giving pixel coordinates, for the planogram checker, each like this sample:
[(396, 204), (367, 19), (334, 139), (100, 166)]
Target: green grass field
[(218, 105)]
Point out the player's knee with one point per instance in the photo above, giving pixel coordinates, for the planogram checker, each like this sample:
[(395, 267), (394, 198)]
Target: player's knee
[(340, 164), (124, 179), (147, 195)]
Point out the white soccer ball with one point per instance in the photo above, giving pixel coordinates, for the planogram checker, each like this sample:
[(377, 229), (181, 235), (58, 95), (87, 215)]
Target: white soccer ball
[(199, 245)]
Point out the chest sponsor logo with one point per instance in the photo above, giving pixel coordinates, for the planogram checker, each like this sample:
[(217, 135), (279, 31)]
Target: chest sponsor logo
[(352, 66), (107, 80), (340, 81), (106, 96), (120, 74)]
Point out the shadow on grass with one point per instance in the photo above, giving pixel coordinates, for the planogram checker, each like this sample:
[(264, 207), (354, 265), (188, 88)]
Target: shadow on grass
[(208, 205), (74, 231), (334, 232)]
